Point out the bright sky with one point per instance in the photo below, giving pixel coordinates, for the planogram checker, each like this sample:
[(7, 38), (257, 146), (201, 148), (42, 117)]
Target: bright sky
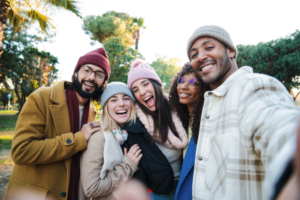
[(169, 24)]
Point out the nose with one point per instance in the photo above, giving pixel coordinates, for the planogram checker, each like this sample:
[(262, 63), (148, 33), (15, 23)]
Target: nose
[(91, 76), (201, 56), (121, 103), (184, 85), (142, 91)]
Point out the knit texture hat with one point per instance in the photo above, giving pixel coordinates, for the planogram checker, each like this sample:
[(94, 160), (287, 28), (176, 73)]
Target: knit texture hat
[(97, 57), (115, 88), (138, 70), (212, 31)]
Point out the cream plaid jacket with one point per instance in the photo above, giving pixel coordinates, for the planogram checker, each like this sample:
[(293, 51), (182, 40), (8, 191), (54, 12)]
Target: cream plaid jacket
[(245, 124)]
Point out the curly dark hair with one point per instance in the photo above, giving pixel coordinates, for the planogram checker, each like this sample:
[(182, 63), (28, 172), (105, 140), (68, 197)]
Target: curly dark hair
[(71, 86), (181, 109)]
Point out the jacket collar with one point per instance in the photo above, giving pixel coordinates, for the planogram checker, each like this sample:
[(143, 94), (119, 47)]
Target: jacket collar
[(222, 89), (58, 93)]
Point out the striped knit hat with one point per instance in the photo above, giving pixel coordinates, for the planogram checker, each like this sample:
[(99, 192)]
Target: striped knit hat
[(216, 32)]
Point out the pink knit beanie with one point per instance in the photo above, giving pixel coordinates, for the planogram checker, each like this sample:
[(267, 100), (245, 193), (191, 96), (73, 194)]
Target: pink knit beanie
[(138, 70)]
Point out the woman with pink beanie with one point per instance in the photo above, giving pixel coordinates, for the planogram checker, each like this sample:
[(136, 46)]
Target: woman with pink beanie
[(164, 127)]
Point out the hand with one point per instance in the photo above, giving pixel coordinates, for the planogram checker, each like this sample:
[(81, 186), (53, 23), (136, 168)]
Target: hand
[(134, 154), (90, 128)]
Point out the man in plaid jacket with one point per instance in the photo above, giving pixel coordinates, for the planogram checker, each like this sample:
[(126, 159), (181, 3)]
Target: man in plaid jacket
[(248, 123)]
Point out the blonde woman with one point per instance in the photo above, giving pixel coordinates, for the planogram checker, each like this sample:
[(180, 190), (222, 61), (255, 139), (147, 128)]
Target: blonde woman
[(104, 167)]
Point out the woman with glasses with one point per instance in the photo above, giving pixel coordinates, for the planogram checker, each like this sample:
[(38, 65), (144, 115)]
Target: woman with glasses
[(186, 100), (165, 130)]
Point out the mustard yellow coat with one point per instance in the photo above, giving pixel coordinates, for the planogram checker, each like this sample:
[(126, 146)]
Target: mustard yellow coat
[(40, 150)]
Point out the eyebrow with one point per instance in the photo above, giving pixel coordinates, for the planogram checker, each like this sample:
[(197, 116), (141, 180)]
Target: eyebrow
[(205, 42), (93, 70)]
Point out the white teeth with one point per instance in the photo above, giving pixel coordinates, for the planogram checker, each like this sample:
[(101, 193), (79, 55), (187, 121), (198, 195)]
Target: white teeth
[(206, 67), (184, 95), (89, 85), (147, 98), (121, 112)]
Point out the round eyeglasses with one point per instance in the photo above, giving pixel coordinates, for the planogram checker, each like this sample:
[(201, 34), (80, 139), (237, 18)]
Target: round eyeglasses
[(87, 71), (191, 83)]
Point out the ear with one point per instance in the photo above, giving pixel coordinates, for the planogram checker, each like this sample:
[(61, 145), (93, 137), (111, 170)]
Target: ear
[(76, 74), (230, 53)]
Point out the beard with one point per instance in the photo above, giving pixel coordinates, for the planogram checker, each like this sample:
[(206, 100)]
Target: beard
[(225, 66), (84, 94)]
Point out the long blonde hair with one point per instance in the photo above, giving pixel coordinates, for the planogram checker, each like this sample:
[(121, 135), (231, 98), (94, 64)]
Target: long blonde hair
[(108, 123)]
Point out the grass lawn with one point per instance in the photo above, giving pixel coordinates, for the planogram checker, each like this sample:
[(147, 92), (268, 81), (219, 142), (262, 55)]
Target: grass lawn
[(5, 140), (8, 122), (8, 112)]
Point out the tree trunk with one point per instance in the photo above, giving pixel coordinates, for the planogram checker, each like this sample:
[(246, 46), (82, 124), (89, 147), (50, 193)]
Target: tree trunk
[(137, 39), (3, 17)]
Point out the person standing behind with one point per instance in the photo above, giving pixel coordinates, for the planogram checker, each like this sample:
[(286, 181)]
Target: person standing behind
[(153, 110), (51, 131), (186, 100), (248, 121)]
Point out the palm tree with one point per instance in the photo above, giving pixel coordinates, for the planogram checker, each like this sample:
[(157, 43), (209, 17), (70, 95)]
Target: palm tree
[(21, 13), (138, 23)]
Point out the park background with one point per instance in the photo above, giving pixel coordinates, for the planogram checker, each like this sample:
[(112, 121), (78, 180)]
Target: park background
[(42, 41)]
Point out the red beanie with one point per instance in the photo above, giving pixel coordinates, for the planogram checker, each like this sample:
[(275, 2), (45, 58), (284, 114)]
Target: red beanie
[(97, 57)]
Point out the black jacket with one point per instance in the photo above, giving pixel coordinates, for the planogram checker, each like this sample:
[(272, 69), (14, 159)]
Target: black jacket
[(154, 168)]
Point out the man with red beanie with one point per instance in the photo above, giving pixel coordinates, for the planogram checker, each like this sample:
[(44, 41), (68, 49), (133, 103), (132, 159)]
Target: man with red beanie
[(53, 129)]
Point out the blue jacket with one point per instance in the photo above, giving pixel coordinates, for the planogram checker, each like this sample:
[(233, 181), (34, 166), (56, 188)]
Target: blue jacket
[(185, 184)]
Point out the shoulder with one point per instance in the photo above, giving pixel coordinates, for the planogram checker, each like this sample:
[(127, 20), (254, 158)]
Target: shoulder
[(97, 139)]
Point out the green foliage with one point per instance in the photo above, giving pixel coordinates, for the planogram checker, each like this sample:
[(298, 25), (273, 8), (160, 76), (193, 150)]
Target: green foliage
[(278, 58), (110, 24), (27, 67), (119, 57), (166, 69), (23, 13), (3, 95), (115, 32)]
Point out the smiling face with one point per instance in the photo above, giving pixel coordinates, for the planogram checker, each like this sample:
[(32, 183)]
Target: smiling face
[(143, 91), (188, 94), (212, 61), (88, 86), (119, 108)]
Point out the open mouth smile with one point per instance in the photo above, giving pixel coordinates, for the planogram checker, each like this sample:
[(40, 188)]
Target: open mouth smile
[(206, 68), (121, 113)]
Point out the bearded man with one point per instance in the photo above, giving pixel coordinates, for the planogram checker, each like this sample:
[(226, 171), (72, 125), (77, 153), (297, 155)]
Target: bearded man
[(248, 123), (53, 129)]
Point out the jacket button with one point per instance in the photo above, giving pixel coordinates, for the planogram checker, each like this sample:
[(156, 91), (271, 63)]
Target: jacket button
[(207, 116), (69, 141), (199, 157), (210, 93), (63, 194)]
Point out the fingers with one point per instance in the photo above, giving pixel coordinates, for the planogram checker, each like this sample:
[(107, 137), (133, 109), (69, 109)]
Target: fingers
[(96, 124), (125, 151)]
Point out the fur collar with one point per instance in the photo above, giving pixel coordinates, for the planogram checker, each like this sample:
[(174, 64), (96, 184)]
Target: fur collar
[(172, 141)]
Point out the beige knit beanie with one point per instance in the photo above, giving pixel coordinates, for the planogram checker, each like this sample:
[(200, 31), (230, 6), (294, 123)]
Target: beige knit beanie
[(216, 32)]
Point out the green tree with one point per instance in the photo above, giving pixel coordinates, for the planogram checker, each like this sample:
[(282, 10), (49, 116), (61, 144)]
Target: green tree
[(119, 57), (138, 23), (110, 24), (166, 69), (22, 13), (115, 32), (278, 58), (24, 65)]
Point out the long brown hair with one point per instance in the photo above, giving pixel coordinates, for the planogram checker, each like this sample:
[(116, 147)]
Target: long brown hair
[(181, 109), (162, 116)]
